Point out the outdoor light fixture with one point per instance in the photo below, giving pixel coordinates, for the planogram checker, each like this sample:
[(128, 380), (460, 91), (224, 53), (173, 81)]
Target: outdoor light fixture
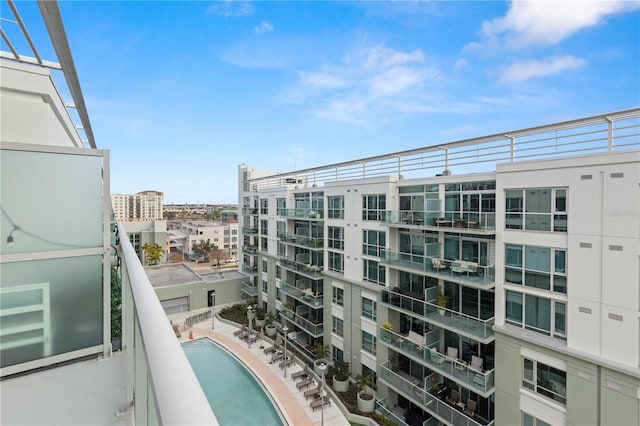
[(284, 330), (323, 368)]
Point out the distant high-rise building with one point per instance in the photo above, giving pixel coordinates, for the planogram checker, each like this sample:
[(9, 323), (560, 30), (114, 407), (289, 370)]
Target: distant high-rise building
[(145, 206)]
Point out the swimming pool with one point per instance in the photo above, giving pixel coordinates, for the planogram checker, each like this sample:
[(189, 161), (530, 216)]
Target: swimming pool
[(236, 397)]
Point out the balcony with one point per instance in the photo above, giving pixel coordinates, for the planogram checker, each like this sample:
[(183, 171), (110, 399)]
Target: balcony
[(445, 412), (249, 249), (467, 222), (301, 240), (249, 210), (250, 230), (250, 288), (481, 382), (249, 269), (305, 296), (313, 272), (459, 271), (394, 415), (413, 304), (298, 318), (309, 214)]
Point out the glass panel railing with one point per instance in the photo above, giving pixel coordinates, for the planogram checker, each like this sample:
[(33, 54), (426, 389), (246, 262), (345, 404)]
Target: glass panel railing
[(249, 249), (428, 400), (250, 288), (250, 210), (249, 269), (301, 240), (452, 270), (406, 303), (455, 369), (312, 271), (314, 328), (249, 230), (395, 414), (306, 296), (302, 213), (459, 322), (452, 221)]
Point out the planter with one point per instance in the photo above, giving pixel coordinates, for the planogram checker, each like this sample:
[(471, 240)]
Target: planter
[(260, 322), (441, 311), (116, 343), (270, 330), (316, 366), (366, 405), (340, 385)]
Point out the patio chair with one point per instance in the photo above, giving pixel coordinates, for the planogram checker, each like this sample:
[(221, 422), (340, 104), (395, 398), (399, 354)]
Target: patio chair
[(453, 397), (436, 357), (437, 264), (452, 352), (470, 408), (320, 402), (277, 357), (289, 361), (275, 346), (252, 338), (304, 383), (313, 392), (301, 374), (237, 333), (476, 363)]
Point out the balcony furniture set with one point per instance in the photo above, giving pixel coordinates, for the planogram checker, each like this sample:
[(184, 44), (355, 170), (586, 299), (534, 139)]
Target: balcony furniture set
[(455, 222)]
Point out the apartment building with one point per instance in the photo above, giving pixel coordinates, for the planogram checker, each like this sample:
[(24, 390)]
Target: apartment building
[(486, 281), (222, 235), (143, 206)]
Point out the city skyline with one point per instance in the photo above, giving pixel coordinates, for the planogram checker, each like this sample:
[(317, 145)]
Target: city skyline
[(183, 92)]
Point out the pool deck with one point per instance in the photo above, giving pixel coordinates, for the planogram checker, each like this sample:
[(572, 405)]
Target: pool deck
[(291, 401)]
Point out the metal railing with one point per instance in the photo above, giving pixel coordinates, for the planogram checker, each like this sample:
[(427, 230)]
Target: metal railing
[(312, 271), (451, 270), (250, 269), (301, 240), (609, 132), (315, 329), (250, 288), (302, 295), (160, 379), (444, 411), (449, 221), (381, 409)]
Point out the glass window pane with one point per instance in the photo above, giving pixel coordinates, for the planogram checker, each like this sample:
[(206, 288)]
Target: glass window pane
[(514, 201), (560, 320), (561, 200), (514, 307), (513, 255), (528, 370), (538, 313), (560, 259), (538, 258)]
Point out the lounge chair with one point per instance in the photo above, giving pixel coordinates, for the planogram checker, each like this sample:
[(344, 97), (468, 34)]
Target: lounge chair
[(304, 383), (277, 357), (470, 408), (301, 374), (252, 338), (275, 346), (454, 397), (313, 392), (289, 362), (176, 330), (237, 333), (320, 402)]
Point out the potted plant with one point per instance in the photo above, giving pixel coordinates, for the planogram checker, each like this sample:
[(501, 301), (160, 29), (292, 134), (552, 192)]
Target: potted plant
[(442, 302), (261, 317), (321, 352), (270, 329), (366, 401), (341, 375)]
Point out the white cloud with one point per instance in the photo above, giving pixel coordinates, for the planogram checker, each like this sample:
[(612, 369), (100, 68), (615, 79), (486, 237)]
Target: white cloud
[(264, 27), (461, 63), (322, 79), (545, 23), (382, 57), (395, 81), (229, 8), (525, 70)]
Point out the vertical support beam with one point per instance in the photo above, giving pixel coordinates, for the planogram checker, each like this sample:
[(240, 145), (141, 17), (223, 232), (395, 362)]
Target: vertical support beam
[(106, 257), (512, 148), (609, 134)]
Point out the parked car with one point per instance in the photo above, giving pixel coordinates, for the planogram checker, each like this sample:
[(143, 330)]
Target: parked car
[(232, 260)]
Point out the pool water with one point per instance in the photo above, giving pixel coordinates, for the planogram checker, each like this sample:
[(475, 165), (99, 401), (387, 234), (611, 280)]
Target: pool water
[(233, 393)]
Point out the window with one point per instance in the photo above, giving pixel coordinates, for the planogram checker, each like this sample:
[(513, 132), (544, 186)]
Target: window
[(369, 308), (335, 237), (539, 267), (373, 207), (373, 242), (335, 210), (281, 206), (535, 313), (544, 380), (536, 209), (264, 206), (264, 227), (373, 272), (368, 343), (338, 296), (336, 262), (528, 420), (263, 244), (338, 326)]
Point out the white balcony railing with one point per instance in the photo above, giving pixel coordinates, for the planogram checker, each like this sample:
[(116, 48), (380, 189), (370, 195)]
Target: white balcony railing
[(160, 379)]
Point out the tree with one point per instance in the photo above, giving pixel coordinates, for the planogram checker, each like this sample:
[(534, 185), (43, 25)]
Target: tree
[(153, 253), (218, 255), (203, 247)]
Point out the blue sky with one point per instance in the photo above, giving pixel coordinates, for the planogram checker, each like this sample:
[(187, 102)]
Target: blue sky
[(183, 92)]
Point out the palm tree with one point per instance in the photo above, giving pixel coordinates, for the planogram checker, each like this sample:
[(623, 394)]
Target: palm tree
[(153, 253)]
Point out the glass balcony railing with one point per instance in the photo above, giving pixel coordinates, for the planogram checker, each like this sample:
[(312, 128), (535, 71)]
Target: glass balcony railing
[(449, 221), (250, 230), (250, 288), (250, 210), (312, 243), (458, 322), (161, 395), (301, 213), (313, 328), (457, 370), (393, 415), (249, 249), (460, 271), (249, 269), (312, 271), (428, 401), (305, 296)]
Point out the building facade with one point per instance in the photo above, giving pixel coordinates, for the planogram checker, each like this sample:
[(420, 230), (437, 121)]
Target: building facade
[(487, 281), (143, 206)]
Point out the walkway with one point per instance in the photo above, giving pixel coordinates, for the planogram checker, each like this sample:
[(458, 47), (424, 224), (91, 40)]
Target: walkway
[(291, 401)]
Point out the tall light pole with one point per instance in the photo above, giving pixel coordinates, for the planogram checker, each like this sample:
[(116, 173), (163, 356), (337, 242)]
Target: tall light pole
[(284, 330), (323, 368), (213, 306)]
